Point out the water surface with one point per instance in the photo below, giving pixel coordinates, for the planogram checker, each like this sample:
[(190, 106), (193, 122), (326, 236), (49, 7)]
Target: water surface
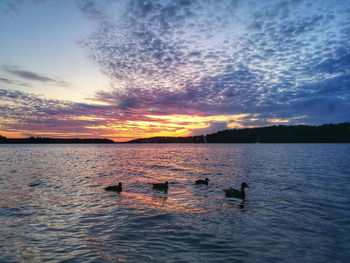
[(53, 207)]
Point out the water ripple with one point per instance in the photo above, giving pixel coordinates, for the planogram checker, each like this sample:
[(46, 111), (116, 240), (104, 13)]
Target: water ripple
[(297, 208)]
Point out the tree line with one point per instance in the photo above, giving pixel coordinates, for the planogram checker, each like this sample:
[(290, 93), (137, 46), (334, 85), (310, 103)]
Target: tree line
[(327, 133)]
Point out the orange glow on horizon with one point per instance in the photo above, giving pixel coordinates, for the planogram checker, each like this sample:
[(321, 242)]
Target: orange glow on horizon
[(176, 125), (164, 126)]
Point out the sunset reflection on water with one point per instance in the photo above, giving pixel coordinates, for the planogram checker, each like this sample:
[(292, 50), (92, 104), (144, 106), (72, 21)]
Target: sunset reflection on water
[(54, 207)]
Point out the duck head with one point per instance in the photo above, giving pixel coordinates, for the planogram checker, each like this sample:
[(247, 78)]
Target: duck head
[(207, 180), (244, 185)]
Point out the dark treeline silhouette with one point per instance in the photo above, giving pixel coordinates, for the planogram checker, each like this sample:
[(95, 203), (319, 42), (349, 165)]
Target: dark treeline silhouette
[(327, 133), (52, 140)]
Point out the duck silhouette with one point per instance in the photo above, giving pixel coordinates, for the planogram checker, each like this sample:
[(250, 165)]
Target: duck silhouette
[(236, 193), (117, 188), (200, 181), (161, 186)]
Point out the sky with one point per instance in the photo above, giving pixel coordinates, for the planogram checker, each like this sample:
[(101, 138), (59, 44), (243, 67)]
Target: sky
[(134, 69)]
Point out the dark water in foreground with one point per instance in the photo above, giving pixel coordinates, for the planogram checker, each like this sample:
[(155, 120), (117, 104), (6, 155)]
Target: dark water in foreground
[(53, 207)]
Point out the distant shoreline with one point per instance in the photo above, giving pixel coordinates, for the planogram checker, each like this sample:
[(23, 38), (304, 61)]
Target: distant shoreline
[(39, 140), (326, 133)]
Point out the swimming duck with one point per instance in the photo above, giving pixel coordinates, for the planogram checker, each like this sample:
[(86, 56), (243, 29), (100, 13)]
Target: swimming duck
[(200, 181), (161, 186), (118, 188), (236, 193)]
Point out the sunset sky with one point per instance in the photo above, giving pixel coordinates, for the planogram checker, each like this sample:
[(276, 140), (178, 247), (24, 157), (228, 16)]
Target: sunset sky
[(130, 69)]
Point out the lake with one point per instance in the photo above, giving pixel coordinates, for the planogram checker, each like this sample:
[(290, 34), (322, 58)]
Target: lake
[(53, 207)]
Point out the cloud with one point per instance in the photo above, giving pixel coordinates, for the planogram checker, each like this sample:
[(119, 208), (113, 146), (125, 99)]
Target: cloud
[(92, 9), (34, 115), (221, 57), (147, 44), (272, 61), (32, 76), (10, 6), (14, 6), (20, 111), (14, 82)]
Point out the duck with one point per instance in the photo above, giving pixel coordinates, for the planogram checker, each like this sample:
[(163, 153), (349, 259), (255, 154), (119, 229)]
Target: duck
[(117, 188), (236, 193), (161, 186), (200, 181)]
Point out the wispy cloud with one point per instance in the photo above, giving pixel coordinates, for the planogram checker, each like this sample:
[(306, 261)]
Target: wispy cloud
[(34, 114), (14, 82), (32, 76)]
